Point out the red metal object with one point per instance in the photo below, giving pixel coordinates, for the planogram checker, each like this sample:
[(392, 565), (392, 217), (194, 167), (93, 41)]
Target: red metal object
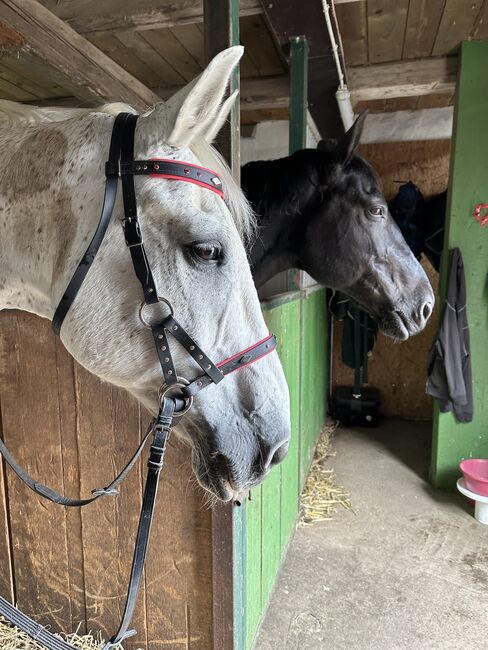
[(479, 215)]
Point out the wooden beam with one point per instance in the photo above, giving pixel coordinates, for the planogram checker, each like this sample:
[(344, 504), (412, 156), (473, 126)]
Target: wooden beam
[(403, 78), (89, 74), (257, 93), (118, 15), (289, 19)]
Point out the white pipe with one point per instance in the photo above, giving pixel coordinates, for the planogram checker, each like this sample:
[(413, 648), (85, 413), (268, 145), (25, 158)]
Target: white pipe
[(333, 43), (343, 97)]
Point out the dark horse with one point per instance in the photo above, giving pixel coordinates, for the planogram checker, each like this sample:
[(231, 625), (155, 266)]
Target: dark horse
[(322, 210), (421, 221)]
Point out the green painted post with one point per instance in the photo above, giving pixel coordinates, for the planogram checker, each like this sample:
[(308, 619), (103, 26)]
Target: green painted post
[(467, 187), (298, 93), (297, 129)]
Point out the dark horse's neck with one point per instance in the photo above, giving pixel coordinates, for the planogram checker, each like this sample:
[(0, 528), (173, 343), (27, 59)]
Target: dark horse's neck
[(282, 193)]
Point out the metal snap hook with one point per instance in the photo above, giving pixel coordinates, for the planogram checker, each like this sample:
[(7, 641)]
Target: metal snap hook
[(180, 383), (144, 304)]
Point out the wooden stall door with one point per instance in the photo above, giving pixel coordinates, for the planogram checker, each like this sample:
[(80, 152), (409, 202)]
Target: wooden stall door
[(399, 370), (66, 567)]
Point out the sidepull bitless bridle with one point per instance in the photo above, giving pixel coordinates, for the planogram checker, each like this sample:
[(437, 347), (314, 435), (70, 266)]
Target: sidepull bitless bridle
[(176, 393)]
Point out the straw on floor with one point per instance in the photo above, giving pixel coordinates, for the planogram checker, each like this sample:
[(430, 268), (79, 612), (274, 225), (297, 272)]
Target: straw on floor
[(321, 495), (11, 638)]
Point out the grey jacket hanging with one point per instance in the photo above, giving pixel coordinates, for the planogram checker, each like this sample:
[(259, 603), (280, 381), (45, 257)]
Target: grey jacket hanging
[(449, 363)]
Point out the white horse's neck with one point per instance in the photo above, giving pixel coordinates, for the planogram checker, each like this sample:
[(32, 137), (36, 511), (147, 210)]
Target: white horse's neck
[(50, 193)]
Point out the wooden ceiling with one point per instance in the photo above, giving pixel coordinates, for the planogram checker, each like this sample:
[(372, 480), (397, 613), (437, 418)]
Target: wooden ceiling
[(157, 42), (400, 54)]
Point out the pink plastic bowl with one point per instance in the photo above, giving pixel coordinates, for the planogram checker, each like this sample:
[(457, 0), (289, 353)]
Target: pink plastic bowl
[(475, 472)]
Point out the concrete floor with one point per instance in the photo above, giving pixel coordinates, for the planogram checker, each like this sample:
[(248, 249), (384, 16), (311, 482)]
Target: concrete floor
[(408, 570)]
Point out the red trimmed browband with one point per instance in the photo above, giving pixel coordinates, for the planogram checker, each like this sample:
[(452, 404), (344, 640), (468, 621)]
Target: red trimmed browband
[(172, 169)]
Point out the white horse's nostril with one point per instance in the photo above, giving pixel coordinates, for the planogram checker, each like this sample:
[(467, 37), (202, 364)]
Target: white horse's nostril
[(426, 311)]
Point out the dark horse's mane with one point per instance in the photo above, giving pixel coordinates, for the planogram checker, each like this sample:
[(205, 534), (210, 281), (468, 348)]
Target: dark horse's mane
[(300, 179)]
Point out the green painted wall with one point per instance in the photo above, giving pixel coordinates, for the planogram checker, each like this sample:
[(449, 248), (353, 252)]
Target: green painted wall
[(263, 526), (468, 186)]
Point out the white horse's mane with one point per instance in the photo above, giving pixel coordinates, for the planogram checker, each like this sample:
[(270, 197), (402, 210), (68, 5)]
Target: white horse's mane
[(16, 114)]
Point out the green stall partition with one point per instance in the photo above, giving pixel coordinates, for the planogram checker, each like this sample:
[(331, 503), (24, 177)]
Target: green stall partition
[(263, 525), (468, 186)]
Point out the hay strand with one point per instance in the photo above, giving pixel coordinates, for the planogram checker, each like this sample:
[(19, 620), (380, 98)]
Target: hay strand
[(321, 494), (11, 638)]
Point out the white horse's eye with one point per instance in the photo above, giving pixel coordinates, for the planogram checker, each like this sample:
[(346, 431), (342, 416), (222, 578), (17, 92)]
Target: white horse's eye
[(206, 252), (376, 211)]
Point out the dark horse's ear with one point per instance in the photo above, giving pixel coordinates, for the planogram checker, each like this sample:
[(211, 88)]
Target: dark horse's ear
[(349, 142), (328, 145)]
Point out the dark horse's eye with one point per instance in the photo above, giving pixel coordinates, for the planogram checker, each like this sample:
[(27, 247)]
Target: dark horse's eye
[(376, 211), (206, 252)]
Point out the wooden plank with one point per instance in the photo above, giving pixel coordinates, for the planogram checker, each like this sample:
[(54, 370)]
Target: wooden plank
[(263, 115), (480, 29), (7, 587), (191, 39), (408, 103), (89, 72), (174, 53), (467, 187), (423, 21), (386, 29), (88, 16), (21, 82), (38, 528), (290, 333), (456, 24), (354, 32), (313, 382), (288, 19), (145, 45), (435, 101), (32, 68), (403, 78), (257, 40), (254, 559), (179, 591), (9, 90), (108, 431), (127, 58)]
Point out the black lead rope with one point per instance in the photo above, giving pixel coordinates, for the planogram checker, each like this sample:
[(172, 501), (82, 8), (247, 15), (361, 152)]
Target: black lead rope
[(121, 164), (161, 430)]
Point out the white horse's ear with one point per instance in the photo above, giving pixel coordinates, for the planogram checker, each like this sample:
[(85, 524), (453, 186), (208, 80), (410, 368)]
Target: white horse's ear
[(219, 121), (196, 111)]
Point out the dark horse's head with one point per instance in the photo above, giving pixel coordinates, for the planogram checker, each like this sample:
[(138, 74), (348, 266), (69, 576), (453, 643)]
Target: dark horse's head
[(334, 222)]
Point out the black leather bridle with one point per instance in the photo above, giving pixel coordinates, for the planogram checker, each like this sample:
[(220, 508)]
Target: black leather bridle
[(176, 393)]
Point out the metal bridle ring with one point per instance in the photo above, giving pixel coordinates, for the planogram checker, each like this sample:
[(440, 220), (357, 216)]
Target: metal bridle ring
[(145, 304), (181, 382)]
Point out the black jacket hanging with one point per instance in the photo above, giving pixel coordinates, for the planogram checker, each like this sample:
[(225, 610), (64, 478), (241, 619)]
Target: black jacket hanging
[(449, 363)]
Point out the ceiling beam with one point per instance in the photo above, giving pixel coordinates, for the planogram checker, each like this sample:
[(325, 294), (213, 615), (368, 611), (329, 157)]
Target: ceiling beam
[(119, 15), (288, 19), (408, 78), (256, 93), (90, 75)]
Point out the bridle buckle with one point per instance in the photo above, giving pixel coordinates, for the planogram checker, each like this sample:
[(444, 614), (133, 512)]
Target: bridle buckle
[(132, 232)]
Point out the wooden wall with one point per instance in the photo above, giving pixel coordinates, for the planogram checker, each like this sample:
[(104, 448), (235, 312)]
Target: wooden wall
[(398, 370), (66, 566)]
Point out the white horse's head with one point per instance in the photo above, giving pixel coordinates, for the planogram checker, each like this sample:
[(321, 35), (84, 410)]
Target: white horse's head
[(237, 429)]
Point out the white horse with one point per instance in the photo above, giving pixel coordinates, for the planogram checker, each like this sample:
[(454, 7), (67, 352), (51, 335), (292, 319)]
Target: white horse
[(51, 191)]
